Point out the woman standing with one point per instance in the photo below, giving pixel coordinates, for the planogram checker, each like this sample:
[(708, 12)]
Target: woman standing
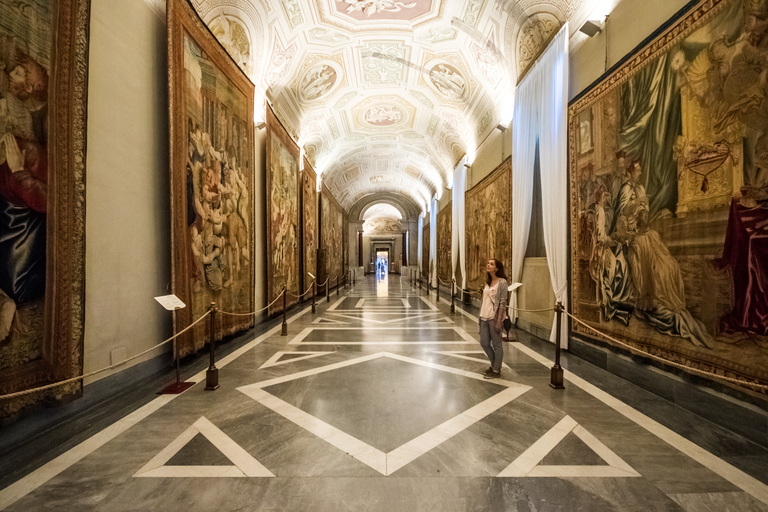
[(492, 313)]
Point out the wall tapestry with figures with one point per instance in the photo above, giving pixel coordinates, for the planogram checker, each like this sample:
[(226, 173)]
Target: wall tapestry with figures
[(668, 174), (283, 243), (43, 93), (331, 228), (444, 262), (489, 223), (309, 224), (211, 107)]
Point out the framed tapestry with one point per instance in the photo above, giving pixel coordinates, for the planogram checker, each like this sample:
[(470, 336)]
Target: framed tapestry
[(283, 243), (309, 224), (444, 262), (212, 166), (489, 223), (331, 227), (669, 248), (44, 65)]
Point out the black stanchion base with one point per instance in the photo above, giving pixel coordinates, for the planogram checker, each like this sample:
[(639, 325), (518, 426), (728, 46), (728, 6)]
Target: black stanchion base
[(453, 309), (556, 380), (314, 309), (175, 388), (284, 331), (211, 379)]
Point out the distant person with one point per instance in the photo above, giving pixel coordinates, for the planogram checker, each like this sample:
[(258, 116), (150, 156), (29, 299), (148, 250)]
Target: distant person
[(492, 313)]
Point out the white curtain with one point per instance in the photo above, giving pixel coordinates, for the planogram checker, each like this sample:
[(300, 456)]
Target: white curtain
[(458, 230), (541, 113), (433, 242), (525, 127), (553, 154), (419, 243)]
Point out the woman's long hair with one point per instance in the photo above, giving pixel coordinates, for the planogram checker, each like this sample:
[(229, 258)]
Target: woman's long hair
[(499, 272)]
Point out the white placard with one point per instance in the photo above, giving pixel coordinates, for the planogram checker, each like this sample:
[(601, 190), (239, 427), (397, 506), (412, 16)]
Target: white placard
[(514, 286), (170, 302)]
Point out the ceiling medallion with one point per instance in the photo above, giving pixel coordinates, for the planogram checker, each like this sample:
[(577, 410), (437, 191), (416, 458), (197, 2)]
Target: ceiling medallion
[(318, 81), (448, 81)]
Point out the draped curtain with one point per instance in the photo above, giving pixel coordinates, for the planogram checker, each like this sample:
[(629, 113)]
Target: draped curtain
[(419, 243), (458, 229), (541, 114), (525, 127), (433, 242)]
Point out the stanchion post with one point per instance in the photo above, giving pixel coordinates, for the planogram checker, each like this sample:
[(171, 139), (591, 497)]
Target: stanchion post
[(337, 286), (328, 289), (284, 332), (314, 292), (437, 290), (212, 374), (453, 296), (556, 380), (419, 280)]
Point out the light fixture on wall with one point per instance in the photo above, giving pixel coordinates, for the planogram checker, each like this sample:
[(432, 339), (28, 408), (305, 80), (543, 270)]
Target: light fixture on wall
[(591, 27), (501, 127), (261, 125)]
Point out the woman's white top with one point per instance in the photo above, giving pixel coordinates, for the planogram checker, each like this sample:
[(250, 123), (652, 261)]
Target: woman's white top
[(489, 297)]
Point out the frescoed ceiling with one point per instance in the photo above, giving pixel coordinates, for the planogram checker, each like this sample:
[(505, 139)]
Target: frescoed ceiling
[(385, 96)]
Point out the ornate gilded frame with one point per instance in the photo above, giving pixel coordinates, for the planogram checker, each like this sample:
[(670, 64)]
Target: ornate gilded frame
[(473, 201), (182, 19), (671, 350), (62, 351)]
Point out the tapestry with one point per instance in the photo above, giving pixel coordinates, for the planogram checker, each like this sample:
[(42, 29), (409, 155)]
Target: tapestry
[(668, 167), (489, 224), (43, 98), (309, 224), (211, 108), (345, 245), (283, 242), (331, 228), (444, 263)]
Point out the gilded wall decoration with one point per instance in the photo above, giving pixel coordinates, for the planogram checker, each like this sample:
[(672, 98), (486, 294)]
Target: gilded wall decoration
[(489, 223), (283, 244), (533, 38), (669, 211), (234, 38), (332, 230), (309, 224), (43, 86), (444, 230), (211, 179)]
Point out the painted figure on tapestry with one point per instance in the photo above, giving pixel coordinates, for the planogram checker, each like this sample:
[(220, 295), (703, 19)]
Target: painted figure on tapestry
[(332, 224), (25, 48), (218, 204), (488, 220), (284, 217), (310, 224), (671, 231), (444, 262)]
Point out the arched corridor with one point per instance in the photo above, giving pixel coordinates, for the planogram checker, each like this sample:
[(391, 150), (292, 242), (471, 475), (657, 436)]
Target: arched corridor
[(377, 402)]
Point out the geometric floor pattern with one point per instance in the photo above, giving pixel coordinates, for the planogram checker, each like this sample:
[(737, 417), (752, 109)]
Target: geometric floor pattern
[(377, 402)]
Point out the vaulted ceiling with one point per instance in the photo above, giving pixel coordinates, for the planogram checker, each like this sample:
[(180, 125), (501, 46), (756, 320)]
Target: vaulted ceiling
[(385, 96)]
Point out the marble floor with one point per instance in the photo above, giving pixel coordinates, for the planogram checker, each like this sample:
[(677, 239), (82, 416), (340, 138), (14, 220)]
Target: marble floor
[(377, 402)]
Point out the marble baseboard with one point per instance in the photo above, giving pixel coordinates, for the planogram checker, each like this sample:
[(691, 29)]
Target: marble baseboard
[(739, 412)]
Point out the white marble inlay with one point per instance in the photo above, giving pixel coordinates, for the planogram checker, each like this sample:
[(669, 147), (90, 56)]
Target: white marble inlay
[(424, 318), (361, 305), (462, 354), (527, 463), (384, 463), (275, 359), (244, 465), (299, 338), (740, 479), (324, 320), (431, 306)]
